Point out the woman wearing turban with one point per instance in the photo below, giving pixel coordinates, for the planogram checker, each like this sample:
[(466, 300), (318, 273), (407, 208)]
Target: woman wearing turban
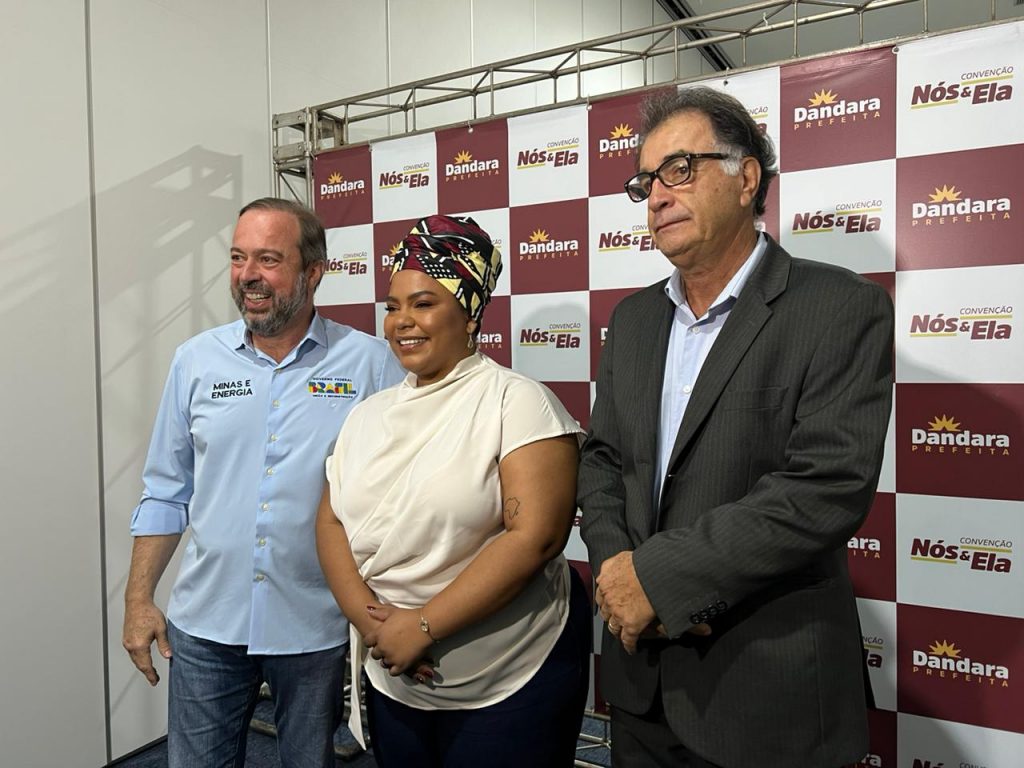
[(450, 499)]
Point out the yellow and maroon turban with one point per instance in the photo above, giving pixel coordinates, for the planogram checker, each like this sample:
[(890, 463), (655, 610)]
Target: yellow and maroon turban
[(458, 254)]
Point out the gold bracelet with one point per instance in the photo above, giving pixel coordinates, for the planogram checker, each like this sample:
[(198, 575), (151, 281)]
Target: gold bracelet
[(425, 626)]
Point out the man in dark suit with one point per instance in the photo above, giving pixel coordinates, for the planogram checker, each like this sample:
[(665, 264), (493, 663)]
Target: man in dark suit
[(734, 448)]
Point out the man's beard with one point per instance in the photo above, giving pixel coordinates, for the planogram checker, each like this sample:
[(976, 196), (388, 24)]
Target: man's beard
[(282, 308)]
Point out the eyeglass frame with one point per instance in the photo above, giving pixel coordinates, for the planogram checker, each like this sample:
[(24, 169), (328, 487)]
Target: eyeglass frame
[(656, 173)]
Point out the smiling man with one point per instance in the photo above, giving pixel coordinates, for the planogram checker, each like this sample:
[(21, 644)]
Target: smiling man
[(735, 446), (248, 416)]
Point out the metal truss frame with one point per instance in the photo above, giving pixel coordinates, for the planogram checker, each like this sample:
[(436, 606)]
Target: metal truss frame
[(299, 136)]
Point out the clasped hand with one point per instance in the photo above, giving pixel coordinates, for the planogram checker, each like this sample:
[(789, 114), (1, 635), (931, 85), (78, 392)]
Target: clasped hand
[(397, 641), (625, 607)]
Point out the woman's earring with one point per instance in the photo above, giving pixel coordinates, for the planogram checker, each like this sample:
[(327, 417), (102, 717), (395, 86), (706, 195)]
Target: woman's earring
[(470, 344)]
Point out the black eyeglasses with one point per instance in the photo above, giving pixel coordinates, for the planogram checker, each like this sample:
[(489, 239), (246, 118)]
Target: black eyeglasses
[(673, 172)]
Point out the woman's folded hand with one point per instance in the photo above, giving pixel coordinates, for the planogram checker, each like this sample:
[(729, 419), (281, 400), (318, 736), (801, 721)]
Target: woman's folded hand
[(397, 641)]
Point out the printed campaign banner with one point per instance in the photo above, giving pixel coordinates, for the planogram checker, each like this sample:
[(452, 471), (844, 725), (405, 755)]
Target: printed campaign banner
[(901, 164)]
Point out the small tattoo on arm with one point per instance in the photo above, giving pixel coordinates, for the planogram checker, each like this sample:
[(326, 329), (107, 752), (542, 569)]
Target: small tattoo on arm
[(511, 507)]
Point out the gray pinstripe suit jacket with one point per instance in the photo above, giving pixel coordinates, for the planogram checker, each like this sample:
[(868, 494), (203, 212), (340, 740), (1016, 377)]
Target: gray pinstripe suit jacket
[(774, 468)]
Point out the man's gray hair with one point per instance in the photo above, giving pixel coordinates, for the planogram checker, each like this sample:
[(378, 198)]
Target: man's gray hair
[(736, 133)]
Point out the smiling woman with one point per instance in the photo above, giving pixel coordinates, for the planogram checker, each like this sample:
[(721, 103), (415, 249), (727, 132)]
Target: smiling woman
[(450, 499), (427, 328)]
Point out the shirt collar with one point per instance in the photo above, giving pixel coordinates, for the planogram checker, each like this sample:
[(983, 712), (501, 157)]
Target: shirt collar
[(674, 288), (317, 333)]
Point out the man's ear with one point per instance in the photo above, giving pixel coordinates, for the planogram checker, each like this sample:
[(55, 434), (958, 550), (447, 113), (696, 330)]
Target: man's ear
[(750, 171), (316, 274)]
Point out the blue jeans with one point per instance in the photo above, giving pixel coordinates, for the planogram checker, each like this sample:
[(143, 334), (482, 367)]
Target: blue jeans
[(212, 694), (536, 726)]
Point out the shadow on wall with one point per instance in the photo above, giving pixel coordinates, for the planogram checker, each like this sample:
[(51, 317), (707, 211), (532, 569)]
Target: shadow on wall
[(162, 239), (162, 243)]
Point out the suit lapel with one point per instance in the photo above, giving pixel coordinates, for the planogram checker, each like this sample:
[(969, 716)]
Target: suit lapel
[(650, 372), (745, 321)]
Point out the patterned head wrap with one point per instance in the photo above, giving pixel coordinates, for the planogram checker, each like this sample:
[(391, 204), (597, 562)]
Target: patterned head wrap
[(458, 254)]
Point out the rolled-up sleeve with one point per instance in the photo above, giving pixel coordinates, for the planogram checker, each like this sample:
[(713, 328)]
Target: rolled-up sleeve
[(170, 464)]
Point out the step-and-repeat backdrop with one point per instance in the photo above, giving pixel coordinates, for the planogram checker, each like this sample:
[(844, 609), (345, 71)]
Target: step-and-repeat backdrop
[(904, 164)]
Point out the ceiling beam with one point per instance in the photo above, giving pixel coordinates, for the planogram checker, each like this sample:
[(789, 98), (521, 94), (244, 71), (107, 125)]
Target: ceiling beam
[(713, 54)]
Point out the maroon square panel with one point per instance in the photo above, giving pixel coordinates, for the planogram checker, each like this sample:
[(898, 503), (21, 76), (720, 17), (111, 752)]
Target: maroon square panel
[(472, 165), (341, 187), (549, 246), (387, 240), (575, 396), (601, 305), (838, 110), (960, 666), (882, 733), (362, 317), (955, 209), (495, 339), (960, 440), (614, 128), (872, 551)]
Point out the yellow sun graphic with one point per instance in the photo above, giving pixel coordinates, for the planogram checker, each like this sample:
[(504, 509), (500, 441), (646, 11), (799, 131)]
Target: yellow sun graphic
[(945, 649), (823, 97), (395, 248), (463, 157), (621, 131), (945, 194), (945, 423), (334, 178), (538, 236)]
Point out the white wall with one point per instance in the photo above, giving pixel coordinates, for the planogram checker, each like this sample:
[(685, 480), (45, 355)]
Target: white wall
[(181, 116), (52, 710)]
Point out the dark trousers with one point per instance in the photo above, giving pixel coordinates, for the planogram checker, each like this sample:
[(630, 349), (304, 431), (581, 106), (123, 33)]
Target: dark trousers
[(647, 741), (536, 726)]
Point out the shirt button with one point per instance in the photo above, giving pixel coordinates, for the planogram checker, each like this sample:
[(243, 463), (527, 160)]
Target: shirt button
[(270, 470), (687, 389), (273, 438), (277, 403), (695, 329), (260, 577), (262, 541), (264, 506)]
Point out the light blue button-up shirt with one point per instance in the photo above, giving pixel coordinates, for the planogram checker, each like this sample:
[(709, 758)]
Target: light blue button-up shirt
[(237, 456), (689, 343)]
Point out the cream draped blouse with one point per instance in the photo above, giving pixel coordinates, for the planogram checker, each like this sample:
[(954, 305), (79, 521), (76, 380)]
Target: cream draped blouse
[(414, 480)]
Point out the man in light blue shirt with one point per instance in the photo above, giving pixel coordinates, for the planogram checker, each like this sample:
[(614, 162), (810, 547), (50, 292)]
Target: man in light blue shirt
[(249, 413)]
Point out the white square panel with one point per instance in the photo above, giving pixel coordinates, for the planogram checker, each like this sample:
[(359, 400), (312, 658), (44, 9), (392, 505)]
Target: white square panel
[(960, 554), (551, 336), (844, 215), (547, 157), (957, 325)]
